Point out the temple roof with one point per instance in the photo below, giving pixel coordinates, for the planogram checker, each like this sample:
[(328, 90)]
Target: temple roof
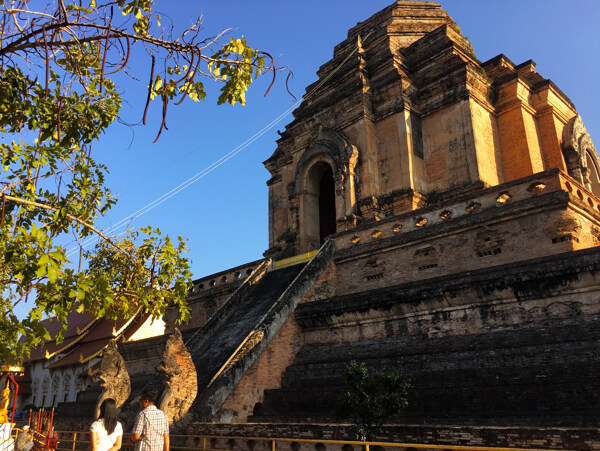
[(84, 339)]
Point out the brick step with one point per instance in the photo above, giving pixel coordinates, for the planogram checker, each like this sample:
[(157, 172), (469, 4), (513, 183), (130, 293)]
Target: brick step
[(522, 351), (583, 420), (494, 405), (489, 371), (534, 338)]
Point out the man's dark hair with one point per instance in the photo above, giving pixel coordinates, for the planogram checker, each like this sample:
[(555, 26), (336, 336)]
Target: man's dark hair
[(149, 396)]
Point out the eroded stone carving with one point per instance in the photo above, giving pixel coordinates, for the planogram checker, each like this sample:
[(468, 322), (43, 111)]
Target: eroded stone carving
[(179, 373), (577, 149), (488, 241), (562, 226), (113, 376), (426, 257)]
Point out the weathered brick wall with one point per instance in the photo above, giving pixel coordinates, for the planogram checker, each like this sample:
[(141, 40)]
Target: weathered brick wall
[(487, 145), (516, 344), (141, 357), (325, 286), (265, 374), (530, 376), (486, 122), (450, 157), (509, 437), (204, 305), (531, 116), (472, 231)]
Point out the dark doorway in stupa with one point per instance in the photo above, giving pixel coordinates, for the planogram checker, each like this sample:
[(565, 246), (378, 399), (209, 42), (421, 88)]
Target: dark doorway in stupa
[(326, 205)]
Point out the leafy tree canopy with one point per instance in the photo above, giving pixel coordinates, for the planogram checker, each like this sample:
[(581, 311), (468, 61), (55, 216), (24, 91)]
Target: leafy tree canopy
[(58, 94), (372, 399)]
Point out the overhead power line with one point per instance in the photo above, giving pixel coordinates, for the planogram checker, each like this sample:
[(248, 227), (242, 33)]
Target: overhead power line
[(190, 181)]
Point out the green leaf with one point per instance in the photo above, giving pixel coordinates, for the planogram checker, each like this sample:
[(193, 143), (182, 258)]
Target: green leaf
[(44, 260), (52, 273), (35, 314), (41, 272), (158, 83)]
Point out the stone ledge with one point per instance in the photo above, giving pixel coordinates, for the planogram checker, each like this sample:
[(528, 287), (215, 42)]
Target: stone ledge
[(234, 277), (528, 279), (471, 192), (554, 200)]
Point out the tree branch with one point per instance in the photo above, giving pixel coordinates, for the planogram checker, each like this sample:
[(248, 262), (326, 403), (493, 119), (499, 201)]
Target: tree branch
[(24, 43), (71, 217)]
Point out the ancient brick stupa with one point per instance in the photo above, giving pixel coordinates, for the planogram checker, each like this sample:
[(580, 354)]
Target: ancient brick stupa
[(452, 205)]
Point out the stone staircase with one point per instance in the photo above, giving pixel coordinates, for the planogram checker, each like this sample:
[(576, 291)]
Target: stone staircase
[(226, 348), (217, 349)]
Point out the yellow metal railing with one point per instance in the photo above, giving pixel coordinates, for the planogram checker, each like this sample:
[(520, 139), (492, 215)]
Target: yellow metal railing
[(302, 258), (73, 440), (39, 439), (273, 442)]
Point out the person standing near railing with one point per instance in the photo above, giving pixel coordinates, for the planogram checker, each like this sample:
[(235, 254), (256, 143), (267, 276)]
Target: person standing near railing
[(106, 433), (151, 427)]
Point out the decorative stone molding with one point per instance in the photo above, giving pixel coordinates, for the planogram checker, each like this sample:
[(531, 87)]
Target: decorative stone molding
[(489, 242), (577, 149), (348, 222), (276, 178), (563, 226), (367, 206), (326, 150), (389, 204), (342, 154), (426, 257)]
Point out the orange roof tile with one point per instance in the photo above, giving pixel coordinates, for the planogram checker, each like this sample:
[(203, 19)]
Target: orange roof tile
[(81, 353), (84, 338), (51, 347)]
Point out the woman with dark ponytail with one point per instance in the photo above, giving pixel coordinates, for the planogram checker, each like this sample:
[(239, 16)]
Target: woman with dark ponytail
[(106, 433)]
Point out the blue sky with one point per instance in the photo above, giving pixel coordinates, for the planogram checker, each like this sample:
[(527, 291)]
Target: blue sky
[(224, 214)]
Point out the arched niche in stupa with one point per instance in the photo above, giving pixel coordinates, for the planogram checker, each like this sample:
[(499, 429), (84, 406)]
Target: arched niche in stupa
[(325, 185)]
